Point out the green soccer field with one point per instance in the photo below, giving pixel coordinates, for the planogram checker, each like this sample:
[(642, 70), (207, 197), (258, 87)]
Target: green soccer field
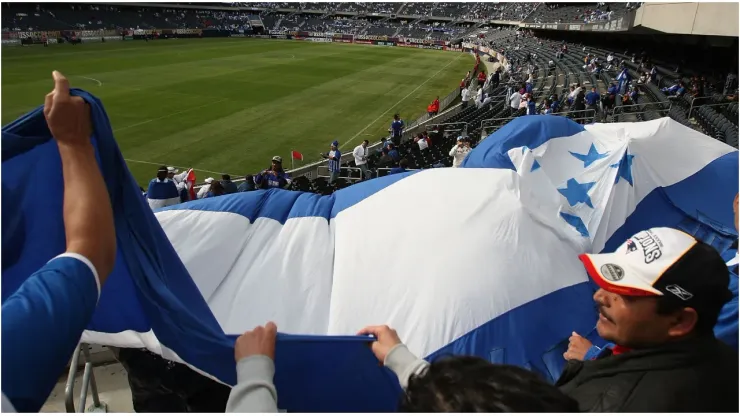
[(228, 106)]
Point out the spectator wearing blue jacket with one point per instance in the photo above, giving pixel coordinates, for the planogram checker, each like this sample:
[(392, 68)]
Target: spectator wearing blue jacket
[(247, 185), (274, 176), (393, 153), (162, 191), (623, 78), (334, 157), (531, 106), (229, 187), (592, 100), (402, 167), (397, 126)]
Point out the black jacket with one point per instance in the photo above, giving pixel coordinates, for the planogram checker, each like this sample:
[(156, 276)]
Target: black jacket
[(695, 375)]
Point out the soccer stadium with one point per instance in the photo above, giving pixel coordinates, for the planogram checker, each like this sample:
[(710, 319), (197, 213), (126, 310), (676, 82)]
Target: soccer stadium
[(370, 207)]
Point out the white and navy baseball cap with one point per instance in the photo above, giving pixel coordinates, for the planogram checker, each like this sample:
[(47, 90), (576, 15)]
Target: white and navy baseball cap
[(171, 169), (662, 262)]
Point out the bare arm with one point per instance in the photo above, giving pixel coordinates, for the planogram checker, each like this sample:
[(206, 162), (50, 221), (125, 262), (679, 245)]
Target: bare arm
[(88, 216)]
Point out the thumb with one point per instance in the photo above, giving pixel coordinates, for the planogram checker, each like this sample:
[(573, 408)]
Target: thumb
[(61, 84), (575, 334)]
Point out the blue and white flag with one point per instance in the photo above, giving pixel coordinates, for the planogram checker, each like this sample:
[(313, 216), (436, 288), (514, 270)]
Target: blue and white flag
[(481, 260)]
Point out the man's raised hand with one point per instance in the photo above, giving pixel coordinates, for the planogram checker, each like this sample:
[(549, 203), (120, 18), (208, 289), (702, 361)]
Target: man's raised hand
[(68, 117)]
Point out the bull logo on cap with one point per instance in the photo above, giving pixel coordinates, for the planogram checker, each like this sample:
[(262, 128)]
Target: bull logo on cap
[(631, 246)]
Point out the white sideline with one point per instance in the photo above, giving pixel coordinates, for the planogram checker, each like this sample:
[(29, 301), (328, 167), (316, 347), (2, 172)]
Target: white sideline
[(169, 115), (100, 84), (179, 167), (399, 102)]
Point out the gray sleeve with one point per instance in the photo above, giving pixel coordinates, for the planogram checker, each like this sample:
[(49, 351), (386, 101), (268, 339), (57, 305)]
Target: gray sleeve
[(254, 391), (404, 364)]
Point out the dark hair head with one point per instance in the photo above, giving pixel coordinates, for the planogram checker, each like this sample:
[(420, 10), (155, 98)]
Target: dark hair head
[(226, 177), (249, 178), (162, 172), (366, 141), (403, 163), (216, 188), (472, 384)]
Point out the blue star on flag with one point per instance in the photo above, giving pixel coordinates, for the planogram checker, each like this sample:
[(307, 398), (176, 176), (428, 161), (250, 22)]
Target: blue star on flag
[(592, 156), (576, 192), (624, 169), (576, 222), (535, 166)]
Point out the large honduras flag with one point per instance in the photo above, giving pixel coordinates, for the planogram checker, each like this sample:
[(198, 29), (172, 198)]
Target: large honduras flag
[(480, 260)]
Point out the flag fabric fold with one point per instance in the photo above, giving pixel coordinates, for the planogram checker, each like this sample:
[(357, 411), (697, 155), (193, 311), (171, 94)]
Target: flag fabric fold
[(481, 281)]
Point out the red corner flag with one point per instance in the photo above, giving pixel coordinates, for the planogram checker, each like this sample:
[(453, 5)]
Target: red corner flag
[(297, 155)]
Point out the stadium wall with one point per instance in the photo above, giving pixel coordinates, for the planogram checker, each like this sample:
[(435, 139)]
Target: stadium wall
[(707, 19)]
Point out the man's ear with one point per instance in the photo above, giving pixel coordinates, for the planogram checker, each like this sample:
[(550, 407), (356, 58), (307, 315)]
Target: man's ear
[(683, 323)]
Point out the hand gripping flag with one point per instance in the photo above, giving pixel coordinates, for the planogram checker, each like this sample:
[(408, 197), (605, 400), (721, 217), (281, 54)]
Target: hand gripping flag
[(497, 277)]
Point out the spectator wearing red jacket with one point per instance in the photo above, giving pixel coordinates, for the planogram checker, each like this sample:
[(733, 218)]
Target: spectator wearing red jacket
[(433, 108)]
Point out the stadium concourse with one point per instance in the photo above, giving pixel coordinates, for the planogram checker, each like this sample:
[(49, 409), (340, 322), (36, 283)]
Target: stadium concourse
[(571, 143)]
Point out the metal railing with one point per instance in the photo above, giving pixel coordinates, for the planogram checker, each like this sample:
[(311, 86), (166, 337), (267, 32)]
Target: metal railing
[(691, 108), (459, 128), (491, 125), (88, 380), (620, 110), (323, 172)]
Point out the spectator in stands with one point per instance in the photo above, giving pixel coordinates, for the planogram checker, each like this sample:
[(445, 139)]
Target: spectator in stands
[(179, 179), (393, 153), (433, 108), (360, 154), (274, 176), (247, 185), (623, 78), (675, 90), (396, 129), (216, 189), (402, 167), (531, 105), (659, 317), (228, 186), (496, 78), (479, 385), (162, 191), (514, 102), (555, 106), (731, 84), (43, 320), (579, 105), (203, 192), (465, 97), (548, 107), (334, 157), (460, 151), (592, 100), (654, 74), (481, 78)]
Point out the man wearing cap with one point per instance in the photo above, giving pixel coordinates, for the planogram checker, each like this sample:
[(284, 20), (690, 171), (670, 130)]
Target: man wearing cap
[(162, 191), (179, 180), (274, 176), (334, 156), (203, 192), (659, 297)]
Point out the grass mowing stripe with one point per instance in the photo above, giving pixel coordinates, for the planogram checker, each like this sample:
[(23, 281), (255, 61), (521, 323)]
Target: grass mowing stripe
[(232, 105)]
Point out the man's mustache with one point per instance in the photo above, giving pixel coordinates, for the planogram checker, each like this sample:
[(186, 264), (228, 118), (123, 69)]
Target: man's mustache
[(608, 318)]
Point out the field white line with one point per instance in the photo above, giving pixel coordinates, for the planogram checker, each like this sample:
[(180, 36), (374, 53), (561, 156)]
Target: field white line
[(165, 164), (100, 84), (399, 102), (168, 115)]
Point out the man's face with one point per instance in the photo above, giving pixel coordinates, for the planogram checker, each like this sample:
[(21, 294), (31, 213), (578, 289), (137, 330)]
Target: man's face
[(275, 165), (631, 321), (170, 175), (364, 144)]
